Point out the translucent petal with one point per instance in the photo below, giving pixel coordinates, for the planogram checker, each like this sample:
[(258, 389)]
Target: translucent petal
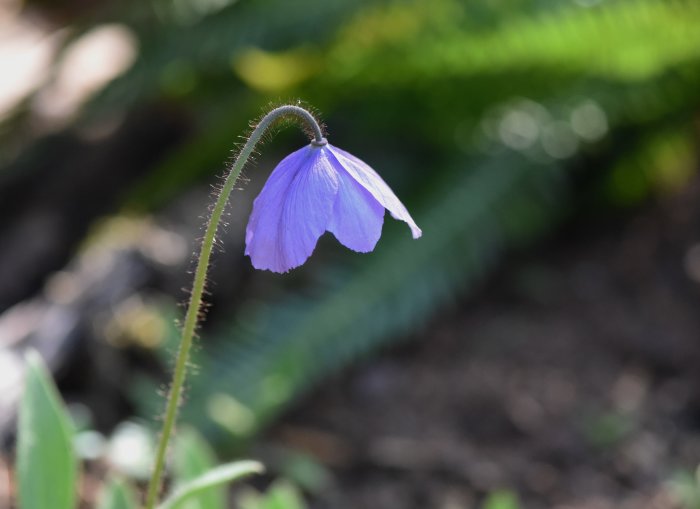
[(357, 216), (292, 211), (372, 182)]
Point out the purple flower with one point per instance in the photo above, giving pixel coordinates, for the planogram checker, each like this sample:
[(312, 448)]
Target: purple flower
[(314, 190)]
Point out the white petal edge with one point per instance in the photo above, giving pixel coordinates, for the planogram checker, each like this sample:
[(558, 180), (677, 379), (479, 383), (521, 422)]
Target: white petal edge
[(370, 180)]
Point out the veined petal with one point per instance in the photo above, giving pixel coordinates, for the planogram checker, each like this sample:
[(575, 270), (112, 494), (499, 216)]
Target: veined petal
[(372, 182), (292, 211), (357, 216)]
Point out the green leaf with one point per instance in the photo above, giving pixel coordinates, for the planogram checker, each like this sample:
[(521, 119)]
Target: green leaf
[(215, 477), (194, 457), (284, 495), (685, 487), (117, 495), (281, 495), (305, 471), (501, 499), (46, 463)]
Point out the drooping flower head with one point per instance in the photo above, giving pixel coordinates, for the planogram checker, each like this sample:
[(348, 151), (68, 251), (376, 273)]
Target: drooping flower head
[(316, 189)]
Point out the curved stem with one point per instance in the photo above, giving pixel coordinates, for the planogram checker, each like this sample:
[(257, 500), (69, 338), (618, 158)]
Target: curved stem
[(195, 304)]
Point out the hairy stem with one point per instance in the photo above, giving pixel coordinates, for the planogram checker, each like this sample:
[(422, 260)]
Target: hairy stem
[(195, 304)]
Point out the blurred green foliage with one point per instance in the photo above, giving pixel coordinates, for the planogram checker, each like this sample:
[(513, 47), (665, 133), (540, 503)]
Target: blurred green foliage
[(424, 74), (686, 487), (606, 430), (501, 499), (116, 494), (281, 495)]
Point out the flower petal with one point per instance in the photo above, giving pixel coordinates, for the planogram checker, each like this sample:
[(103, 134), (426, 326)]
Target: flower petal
[(292, 211), (370, 180), (357, 216)]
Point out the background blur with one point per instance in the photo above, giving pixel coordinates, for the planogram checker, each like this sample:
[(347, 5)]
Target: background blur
[(537, 348)]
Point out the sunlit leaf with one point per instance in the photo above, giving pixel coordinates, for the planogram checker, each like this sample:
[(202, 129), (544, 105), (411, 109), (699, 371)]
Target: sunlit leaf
[(220, 475), (46, 462), (501, 499)]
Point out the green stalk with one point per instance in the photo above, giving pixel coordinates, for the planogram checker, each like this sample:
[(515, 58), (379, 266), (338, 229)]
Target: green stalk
[(195, 304)]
